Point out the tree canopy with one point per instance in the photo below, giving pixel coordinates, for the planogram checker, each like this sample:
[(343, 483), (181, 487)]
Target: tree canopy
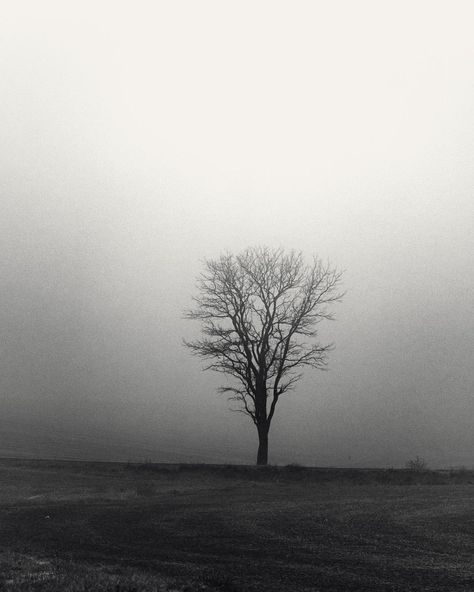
[(259, 312)]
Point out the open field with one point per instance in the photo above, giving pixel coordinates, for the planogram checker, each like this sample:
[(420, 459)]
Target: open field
[(74, 527)]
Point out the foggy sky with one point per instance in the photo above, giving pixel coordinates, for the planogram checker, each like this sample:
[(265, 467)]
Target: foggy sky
[(138, 140)]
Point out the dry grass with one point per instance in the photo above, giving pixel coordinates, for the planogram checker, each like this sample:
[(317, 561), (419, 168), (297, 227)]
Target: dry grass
[(84, 526)]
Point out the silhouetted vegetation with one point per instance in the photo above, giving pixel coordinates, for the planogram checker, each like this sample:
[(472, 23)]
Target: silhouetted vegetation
[(259, 312), (417, 464)]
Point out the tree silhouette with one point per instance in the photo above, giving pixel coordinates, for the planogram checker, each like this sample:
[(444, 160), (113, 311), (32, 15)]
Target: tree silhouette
[(259, 312)]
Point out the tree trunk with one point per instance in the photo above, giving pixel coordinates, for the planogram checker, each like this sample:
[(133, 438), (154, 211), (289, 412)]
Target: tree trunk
[(262, 454)]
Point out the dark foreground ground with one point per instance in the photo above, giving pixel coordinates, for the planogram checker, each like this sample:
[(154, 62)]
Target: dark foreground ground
[(79, 527)]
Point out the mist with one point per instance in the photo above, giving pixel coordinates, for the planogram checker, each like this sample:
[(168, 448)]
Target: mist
[(138, 141)]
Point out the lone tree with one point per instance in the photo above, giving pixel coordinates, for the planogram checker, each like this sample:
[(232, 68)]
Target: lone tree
[(259, 312)]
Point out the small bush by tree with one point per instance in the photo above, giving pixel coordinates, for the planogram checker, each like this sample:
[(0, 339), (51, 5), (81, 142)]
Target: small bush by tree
[(417, 464)]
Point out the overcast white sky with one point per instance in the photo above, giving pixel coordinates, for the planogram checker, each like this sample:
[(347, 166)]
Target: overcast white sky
[(139, 138)]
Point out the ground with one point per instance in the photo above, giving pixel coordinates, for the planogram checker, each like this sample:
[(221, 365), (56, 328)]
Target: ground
[(137, 528)]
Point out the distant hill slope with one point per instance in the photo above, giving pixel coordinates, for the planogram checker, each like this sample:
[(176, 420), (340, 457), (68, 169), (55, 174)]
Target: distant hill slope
[(33, 439)]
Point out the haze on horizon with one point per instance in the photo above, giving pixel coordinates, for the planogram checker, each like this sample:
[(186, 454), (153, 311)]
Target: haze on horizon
[(138, 140)]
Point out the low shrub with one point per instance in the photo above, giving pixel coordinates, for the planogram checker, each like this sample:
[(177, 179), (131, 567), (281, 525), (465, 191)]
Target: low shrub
[(417, 464)]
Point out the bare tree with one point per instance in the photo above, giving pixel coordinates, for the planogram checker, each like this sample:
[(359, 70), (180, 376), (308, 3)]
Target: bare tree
[(259, 312)]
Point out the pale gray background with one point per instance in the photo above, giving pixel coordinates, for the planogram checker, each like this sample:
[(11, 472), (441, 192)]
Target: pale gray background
[(139, 137)]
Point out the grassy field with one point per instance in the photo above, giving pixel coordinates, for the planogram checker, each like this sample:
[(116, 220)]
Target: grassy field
[(79, 527)]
